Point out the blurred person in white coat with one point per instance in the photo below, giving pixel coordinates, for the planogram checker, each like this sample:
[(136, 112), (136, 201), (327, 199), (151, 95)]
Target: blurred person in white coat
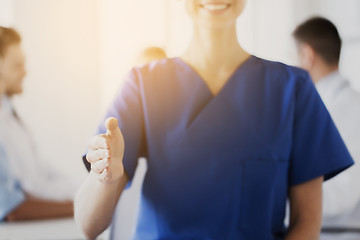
[(30, 187), (319, 47)]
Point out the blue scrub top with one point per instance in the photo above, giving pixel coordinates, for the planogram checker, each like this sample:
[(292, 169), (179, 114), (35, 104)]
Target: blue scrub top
[(220, 167), (11, 194)]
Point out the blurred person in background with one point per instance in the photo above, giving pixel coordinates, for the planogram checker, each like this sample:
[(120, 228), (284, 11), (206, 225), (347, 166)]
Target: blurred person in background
[(150, 54), (319, 48), (29, 187), (228, 138)]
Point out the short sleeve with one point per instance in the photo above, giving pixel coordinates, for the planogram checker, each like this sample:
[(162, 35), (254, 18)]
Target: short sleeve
[(11, 194), (127, 108), (317, 148)]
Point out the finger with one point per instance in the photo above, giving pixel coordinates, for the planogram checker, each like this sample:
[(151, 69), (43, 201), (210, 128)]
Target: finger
[(112, 127), (96, 155), (99, 141), (105, 176), (99, 166)]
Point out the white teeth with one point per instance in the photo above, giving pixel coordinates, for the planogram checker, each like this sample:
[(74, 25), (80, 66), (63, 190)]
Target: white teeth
[(215, 7)]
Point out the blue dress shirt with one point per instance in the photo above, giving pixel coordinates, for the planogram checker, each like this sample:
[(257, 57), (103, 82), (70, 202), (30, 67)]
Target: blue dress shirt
[(11, 194)]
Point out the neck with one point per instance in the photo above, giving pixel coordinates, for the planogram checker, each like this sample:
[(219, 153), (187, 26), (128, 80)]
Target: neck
[(212, 49), (322, 70)]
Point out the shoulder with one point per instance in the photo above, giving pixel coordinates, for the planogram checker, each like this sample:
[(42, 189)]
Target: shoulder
[(157, 75), (352, 93), (152, 78), (339, 88), (282, 68), (348, 98), (284, 74)]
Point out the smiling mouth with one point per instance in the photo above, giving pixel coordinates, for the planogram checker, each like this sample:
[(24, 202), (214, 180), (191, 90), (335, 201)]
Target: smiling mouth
[(215, 6)]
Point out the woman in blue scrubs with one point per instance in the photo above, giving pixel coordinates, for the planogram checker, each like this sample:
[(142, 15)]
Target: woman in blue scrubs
[(229, 137)]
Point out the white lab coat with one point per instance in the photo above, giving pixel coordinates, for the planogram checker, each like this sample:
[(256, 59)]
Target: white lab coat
[(36, 176), (341, 204)]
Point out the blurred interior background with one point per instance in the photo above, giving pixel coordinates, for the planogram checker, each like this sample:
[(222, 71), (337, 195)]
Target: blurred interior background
[(78, 51)]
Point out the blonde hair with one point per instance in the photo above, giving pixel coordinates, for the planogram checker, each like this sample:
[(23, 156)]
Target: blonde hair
[(149, 54)]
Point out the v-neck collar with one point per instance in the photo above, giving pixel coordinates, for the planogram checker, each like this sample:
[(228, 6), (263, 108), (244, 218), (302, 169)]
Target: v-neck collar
[(203, 82), (204, 103)]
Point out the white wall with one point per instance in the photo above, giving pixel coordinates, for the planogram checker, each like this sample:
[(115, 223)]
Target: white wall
[(178, 28), (61, 100), (6, 13), (273, 23), (126, 27)]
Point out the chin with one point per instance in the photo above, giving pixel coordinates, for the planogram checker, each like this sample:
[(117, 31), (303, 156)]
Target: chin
[(217, 25)]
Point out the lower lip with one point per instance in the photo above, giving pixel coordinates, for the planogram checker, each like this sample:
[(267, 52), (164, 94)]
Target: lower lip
[(215, 11)]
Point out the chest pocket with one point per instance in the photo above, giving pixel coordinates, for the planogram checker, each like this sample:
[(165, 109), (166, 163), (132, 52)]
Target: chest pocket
[(263, 194)]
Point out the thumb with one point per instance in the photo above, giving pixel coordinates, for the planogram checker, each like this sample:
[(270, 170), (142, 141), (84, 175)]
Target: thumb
[(112, 128)]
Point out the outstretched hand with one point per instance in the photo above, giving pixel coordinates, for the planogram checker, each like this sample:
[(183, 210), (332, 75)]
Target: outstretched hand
[(106, 153)]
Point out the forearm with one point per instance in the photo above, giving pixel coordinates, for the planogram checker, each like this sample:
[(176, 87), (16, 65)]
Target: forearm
[(304, 230), (305, 210), (95, 203), (36, 209)]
